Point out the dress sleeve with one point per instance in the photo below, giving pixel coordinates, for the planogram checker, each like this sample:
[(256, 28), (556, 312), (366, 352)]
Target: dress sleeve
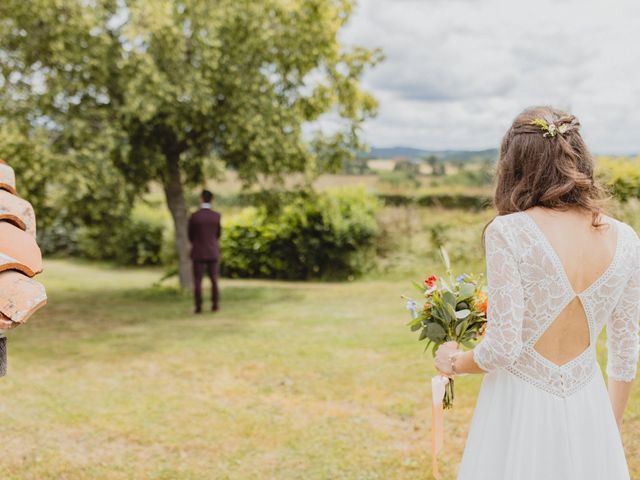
[(622, 329), (503, 338)]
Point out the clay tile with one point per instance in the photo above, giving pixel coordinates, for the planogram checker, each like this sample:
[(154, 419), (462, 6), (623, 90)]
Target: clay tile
[(18, 250), (17, 211), (7, 178), (20, 296)]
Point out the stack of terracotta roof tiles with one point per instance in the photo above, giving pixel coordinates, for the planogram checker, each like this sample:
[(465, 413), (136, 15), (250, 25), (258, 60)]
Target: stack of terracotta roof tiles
[(20, 260)]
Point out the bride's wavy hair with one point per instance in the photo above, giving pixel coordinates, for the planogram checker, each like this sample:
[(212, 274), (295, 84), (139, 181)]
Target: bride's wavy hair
[(544, 162)]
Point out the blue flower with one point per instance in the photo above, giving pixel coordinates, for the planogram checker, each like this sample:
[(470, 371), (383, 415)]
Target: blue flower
[(412, 306), (461, 278)]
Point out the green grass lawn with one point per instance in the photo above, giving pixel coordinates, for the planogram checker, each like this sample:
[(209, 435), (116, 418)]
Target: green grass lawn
[(115, 379)]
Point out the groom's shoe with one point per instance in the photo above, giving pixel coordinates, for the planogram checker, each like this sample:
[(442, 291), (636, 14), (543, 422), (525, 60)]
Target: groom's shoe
[(197, 311), (215, 308)]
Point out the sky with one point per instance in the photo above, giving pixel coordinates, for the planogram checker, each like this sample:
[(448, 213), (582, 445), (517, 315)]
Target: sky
[(457, 72)]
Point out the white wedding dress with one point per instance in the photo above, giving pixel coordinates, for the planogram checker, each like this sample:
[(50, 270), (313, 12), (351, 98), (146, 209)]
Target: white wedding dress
[(536, 420)]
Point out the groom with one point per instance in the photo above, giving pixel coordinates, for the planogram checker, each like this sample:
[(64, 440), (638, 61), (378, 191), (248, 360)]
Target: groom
[(204, 233)]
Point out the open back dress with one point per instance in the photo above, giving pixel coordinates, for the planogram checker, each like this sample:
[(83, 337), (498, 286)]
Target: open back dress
[(536, 419)]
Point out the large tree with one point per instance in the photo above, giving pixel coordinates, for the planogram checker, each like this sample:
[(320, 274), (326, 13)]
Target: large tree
[(172, 87)]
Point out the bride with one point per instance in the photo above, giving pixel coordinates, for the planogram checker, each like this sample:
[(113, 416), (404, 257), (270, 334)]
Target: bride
[(558, 270)]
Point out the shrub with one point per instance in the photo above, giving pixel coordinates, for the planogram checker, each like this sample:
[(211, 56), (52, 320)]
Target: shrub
[(444, 200), (621, 176), (477, 174), (399, 179), (140, 243), (58, 237), (314, 235), (135, 241)]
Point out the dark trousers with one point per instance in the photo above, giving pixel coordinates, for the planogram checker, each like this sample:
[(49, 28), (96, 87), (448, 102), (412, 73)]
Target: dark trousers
[(211, 269)]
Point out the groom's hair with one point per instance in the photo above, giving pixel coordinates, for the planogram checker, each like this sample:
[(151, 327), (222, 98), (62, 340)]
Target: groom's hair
[(206, 196)]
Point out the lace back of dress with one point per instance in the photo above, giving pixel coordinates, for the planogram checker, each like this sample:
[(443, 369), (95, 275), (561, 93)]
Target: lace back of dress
[(567, 336)]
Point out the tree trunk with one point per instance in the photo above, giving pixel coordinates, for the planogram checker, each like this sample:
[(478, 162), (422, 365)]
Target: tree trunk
[(175, 200)]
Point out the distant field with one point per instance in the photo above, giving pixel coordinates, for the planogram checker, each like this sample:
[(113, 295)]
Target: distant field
[(230, 184), (314, 381)]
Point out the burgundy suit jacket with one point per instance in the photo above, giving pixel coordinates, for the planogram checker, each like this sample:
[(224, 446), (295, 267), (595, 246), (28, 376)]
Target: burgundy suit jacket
[(204, 232)]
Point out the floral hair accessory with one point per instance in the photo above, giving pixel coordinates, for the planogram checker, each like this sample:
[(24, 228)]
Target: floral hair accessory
[(549, 130)]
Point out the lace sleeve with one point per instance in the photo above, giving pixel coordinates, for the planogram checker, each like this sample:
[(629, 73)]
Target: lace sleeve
[(622, 330), (503, 339)]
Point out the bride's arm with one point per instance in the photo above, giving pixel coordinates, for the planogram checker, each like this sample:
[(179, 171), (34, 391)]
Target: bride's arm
[(451, 361), (502, 343), (622, 344), (619, 395)]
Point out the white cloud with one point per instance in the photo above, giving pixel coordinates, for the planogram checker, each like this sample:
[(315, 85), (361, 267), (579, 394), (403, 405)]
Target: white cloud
[(457, 72)]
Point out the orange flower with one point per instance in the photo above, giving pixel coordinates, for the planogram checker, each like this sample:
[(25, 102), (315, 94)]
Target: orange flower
[(426, 307), (481, 303), (483, 307)]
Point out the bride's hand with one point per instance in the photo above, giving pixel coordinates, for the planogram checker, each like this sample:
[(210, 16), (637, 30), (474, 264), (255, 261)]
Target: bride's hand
[(443, 358)]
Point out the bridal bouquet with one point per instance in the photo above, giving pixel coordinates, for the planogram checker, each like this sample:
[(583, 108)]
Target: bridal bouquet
[(452, 309)]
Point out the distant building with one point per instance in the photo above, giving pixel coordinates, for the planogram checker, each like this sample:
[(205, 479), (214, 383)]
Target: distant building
[(426, 169), (381, 165)]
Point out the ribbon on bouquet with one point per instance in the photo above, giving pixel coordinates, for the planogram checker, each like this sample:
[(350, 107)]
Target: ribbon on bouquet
[(438, 384)]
